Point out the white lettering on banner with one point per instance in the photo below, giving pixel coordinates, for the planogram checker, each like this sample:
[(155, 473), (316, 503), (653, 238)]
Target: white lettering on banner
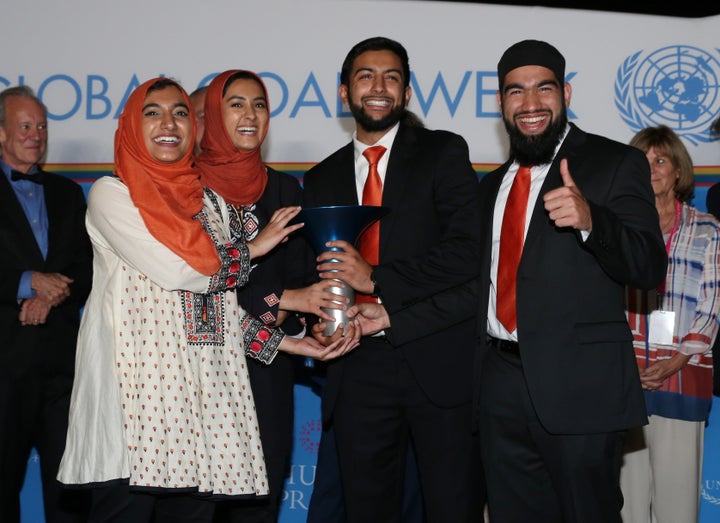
[(295, 499), (95, 97), (301, 475)]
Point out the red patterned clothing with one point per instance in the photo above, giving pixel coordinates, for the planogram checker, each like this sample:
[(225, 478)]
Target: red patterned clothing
[(691, 292)]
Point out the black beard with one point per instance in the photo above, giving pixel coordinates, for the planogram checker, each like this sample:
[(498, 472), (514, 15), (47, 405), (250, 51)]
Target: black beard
[(536, 150), (370, 124)]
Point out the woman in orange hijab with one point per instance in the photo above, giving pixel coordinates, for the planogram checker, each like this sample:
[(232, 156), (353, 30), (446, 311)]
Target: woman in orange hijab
[(161, 402), (237, 117)]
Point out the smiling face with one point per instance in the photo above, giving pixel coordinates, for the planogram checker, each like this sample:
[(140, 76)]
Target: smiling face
[(166, 124), (246, 114), (533, 105), (23, 137), (376, 93)]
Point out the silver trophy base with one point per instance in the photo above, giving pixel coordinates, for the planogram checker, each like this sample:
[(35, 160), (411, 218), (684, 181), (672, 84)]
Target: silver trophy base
[(339, 316)]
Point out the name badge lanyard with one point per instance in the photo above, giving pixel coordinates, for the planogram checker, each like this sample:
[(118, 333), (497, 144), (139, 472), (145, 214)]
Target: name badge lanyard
[(660, 293)]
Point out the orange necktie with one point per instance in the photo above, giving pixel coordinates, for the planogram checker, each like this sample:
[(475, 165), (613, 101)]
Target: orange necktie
[(511, 245), (372, 195)]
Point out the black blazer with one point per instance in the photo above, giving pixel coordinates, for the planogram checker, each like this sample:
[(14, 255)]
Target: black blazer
[(575, 342), (285, 267), (50, 346), (429, 242)]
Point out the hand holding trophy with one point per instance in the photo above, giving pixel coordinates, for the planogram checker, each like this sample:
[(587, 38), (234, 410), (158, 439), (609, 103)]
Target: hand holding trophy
[(330, 223)]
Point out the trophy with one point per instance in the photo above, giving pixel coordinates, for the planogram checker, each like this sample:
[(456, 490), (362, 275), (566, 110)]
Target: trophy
[(341, 222)]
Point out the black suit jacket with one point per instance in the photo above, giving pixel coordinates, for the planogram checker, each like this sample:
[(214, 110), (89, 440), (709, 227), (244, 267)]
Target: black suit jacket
[(428, 243), (284, 267), (575, 342), (49, 347)]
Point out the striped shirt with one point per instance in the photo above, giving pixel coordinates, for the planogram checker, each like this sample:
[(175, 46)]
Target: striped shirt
[(691, 292)]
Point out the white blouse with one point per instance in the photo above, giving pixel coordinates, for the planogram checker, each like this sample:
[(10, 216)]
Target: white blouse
[(161, 394)]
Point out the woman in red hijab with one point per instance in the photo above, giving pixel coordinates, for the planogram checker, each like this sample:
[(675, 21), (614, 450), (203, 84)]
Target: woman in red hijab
[(162, 413), (237, 117)]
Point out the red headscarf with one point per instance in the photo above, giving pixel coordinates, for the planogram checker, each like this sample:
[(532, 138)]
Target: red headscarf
[(167, 195), (238, 176)]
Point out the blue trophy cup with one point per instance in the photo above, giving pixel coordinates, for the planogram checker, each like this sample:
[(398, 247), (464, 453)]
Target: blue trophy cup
[(339, 222)]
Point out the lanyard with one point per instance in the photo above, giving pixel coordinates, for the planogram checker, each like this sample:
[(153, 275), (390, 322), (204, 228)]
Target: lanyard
[(671, 236)]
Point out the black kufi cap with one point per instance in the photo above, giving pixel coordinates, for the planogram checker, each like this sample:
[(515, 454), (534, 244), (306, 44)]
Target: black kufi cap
[(531, 52)]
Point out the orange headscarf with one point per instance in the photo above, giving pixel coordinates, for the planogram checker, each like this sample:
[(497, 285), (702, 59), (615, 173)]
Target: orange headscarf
[(167, 195), (238, 176)]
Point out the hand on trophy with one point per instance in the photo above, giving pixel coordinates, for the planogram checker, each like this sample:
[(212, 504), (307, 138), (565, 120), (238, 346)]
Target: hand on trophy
[(314, 298), (346, 265), (338, 228), (372, 317), (275, 232), (320, 331), (323, 347)]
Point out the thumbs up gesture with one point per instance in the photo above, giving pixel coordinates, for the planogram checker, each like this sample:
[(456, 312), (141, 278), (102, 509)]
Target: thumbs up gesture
[(566, 205)]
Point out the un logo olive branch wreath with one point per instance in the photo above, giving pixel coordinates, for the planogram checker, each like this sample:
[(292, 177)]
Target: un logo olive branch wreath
[(630, 111)]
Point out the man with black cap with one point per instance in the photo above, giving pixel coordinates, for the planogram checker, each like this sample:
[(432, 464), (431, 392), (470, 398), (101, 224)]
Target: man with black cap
[(569, 221)]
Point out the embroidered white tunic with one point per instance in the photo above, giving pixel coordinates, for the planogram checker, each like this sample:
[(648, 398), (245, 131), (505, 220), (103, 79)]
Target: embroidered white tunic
[(161, 394)]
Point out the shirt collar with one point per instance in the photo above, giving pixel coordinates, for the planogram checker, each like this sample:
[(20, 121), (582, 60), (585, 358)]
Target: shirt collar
[(7, 170), (386, 141)]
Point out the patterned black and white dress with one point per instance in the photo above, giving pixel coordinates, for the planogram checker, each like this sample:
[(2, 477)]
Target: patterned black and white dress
[(162, 395)]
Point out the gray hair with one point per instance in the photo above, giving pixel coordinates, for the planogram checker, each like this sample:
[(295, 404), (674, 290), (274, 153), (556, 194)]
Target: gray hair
[(20, 90)]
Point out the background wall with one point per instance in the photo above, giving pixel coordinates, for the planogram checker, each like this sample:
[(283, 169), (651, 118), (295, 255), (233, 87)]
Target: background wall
[(627, 71)]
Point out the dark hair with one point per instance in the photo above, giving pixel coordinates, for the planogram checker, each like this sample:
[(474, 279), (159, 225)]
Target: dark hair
[(242, 75), (410, 119), (666, 142), (715, 127), (22, 91), (198, 91), (162, 84), (376, 43)]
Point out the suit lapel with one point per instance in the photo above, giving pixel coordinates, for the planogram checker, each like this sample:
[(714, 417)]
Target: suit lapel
[(55, 205), (344, 190), (488, 198), (553, 180), (397, 177)]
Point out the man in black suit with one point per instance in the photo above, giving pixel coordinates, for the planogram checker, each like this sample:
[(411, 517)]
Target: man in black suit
[(559, 384), (46, 270), (412, 381)]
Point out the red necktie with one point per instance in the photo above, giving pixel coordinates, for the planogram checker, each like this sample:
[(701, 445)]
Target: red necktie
[(372, 195), (511, 245)]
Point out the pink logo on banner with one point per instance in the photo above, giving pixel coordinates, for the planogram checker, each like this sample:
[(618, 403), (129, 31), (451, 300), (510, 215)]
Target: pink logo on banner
[(309, 436)]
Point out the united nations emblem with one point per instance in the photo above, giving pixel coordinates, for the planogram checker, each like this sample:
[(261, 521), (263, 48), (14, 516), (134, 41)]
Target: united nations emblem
[(676, 86), (707, 496)]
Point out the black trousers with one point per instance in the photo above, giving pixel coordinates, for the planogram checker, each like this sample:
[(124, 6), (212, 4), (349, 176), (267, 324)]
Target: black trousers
[(380, 408), (534, 475), (116, 503), (327, 504), (34, 413)]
